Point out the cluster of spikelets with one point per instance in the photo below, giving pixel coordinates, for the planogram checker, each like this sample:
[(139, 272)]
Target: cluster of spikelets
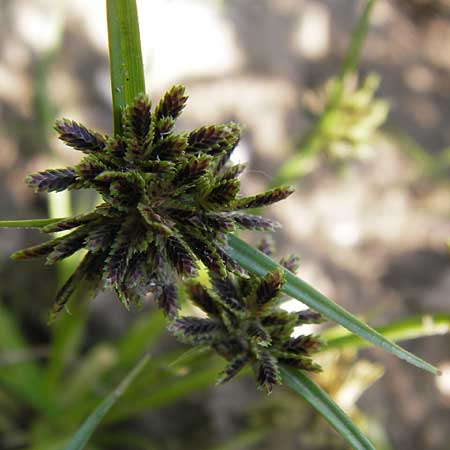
[(246, 325), (169, 199)]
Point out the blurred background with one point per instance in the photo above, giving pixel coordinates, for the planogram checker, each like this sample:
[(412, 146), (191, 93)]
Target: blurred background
[(370, 217)]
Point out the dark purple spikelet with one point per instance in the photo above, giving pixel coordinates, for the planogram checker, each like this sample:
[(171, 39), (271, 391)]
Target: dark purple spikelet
[(214, 139), (268, 372), (251, 222), (68, 224), (269, 287), (265, 199), (196, 330), (309, 316), (172, 103), (224, 192), (180, 257), (36, 251), (169, 199), (291, 263), (202, 298), (167, 300), (79, 137), (267, 246), (303, 344), (233, 368), (52, 180)]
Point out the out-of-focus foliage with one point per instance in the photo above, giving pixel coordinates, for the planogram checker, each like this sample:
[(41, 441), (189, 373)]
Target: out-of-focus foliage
[(350, 128), (345, 126), (46, 393)]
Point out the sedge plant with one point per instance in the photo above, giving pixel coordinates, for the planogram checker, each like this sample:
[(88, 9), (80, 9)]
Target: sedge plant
[(171, 204)]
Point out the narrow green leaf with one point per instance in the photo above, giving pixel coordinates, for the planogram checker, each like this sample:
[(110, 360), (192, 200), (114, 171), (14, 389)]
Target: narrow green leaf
[(255, 261), (353, 54), (140, 337), (82, 436), (24, 379), (409, 328), (27, 223), (320, 400), (127, 70)]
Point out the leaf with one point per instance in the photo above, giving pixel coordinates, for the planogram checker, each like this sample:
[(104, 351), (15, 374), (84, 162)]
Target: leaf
[(25, 379), (140, 336), (409, 328), (125, 55), (325, 406), (258, 263), (82, 436), (353, 54)]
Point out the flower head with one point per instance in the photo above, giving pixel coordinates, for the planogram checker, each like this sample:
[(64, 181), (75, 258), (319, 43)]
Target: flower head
[(168, 201), (246, 325)]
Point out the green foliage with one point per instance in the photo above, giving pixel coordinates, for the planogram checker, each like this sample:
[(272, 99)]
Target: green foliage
[(169, 200), (319, 400)]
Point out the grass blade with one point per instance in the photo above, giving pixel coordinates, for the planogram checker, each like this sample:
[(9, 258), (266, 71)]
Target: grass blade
[(258, 263), (353, 55), (127, 70), (320, 401), (409, 328), (82, 436)]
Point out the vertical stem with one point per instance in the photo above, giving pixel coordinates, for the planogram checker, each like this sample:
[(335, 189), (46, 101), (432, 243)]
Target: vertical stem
[(125, 55)]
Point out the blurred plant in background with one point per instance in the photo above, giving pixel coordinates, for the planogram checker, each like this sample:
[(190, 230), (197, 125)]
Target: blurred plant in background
[(350, 129)]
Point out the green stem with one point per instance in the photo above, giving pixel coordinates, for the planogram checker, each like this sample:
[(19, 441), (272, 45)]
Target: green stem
[(27, 223), (125, 55), (314, 139)]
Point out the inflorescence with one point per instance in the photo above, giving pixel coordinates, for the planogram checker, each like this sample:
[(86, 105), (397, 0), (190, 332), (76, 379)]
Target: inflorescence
[(169, 199), (246, 325)]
